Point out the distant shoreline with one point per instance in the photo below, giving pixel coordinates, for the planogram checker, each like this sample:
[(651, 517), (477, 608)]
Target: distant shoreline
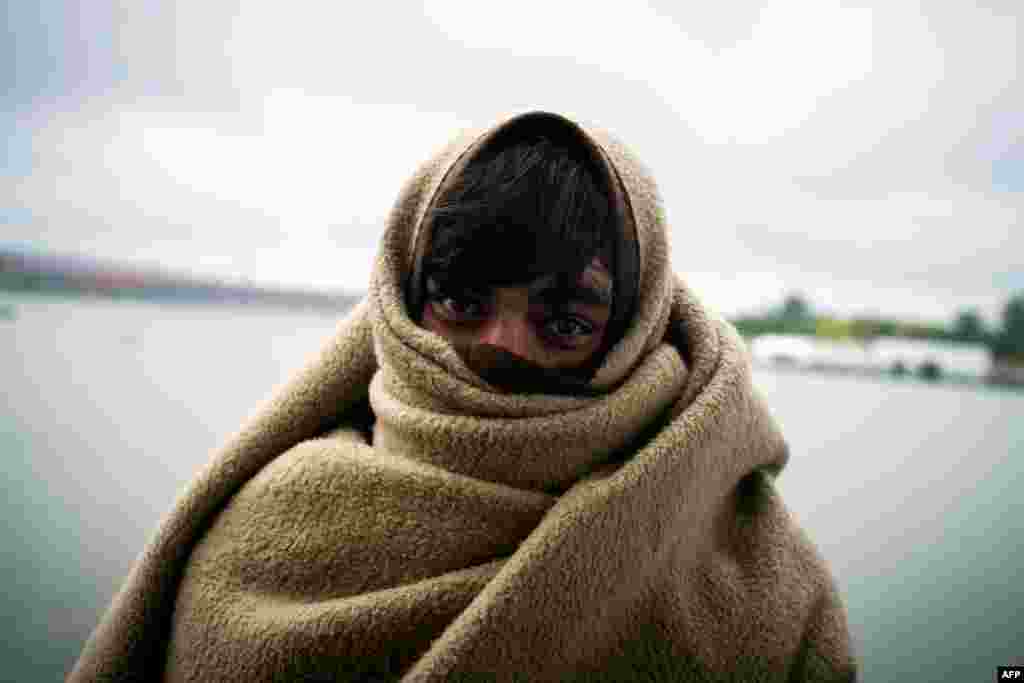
[(78, 276), (231, 297)]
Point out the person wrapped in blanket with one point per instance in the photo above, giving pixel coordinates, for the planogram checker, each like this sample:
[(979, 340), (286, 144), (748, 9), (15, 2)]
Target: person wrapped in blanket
[(530, 453)]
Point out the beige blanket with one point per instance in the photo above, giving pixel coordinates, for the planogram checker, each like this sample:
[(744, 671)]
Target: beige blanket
[(388, 516)]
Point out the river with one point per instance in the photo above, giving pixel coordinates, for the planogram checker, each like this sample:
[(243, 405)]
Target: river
[(912, 492)]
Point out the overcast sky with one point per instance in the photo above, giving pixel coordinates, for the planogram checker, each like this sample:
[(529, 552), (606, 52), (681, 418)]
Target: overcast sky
[(869, 155)]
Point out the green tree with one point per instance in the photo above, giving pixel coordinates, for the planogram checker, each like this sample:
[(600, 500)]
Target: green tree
[(869, 328), (969, 327), (832, 328), (795, 308), (1010, 341)]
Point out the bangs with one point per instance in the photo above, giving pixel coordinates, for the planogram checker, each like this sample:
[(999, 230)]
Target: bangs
[(527, 210)]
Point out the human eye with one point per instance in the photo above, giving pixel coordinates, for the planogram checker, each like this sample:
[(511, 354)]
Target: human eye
[(568, 329), (457, 305), (461, 307)]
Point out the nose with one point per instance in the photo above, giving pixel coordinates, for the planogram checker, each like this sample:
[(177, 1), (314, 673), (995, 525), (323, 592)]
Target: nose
[(508, 332)]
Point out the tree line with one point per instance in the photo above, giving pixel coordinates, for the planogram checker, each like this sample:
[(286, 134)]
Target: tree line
[(796, 316)]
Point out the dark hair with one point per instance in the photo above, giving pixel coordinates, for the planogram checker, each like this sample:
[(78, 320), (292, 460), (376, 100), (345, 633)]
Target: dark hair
[(527, 209)]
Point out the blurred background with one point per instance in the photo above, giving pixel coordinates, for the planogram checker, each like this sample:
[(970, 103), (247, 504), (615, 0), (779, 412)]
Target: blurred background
[(191, 195)]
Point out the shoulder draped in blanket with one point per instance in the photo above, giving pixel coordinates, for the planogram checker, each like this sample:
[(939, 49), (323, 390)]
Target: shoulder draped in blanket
[(389, 515)]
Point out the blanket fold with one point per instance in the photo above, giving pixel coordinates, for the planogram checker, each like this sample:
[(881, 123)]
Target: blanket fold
[(389, 516)]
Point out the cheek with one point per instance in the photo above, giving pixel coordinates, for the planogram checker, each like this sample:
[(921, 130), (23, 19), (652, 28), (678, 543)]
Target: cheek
[(585, 352), (432, 322), (427, 319)]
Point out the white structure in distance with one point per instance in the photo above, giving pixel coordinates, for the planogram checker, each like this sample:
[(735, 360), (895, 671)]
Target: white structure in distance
[(930, 359)]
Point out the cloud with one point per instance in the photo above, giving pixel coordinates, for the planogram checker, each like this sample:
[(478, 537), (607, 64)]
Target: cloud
[(300, 175), (780, 69), (807, 145)]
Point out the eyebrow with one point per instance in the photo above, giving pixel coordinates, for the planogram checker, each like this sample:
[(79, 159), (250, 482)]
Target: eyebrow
[(591, 293), (549, 290)]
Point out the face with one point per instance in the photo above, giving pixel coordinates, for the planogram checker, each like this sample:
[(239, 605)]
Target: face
[(548, 323)]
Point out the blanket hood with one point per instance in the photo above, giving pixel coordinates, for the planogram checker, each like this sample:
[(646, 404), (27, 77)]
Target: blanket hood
[(640, 316)]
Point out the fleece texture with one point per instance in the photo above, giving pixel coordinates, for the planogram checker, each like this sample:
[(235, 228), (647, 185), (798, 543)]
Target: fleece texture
[(387, 515)]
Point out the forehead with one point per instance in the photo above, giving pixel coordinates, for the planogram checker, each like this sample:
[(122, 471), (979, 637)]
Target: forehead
[(595, 275), (593, 286)]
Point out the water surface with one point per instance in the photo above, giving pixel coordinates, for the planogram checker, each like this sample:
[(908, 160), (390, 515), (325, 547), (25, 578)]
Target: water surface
[(911, 491)]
